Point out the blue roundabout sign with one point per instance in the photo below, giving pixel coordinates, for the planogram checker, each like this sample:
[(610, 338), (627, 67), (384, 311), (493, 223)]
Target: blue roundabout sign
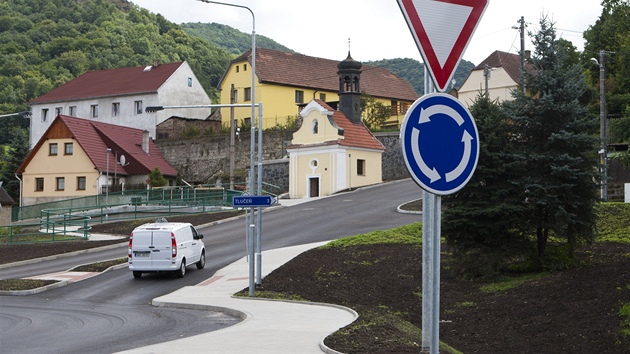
[(440, 143)]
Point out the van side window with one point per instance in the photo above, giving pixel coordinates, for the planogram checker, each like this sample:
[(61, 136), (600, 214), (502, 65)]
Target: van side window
[(194, 233)]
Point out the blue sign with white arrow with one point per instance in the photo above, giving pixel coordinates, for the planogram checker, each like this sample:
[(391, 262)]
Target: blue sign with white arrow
[(251, 201), (440, 143)]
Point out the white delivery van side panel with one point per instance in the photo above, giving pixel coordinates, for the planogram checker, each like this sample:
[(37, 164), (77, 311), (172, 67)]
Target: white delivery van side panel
[(184, 243)]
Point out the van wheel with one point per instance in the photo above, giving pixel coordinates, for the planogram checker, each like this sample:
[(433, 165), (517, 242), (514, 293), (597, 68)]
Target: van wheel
[(137, 274), (202, 260), (182, 269)]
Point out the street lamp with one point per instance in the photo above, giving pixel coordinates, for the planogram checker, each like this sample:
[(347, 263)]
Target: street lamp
[(253, 90), (486, 75), (26, 114), (253, 131), (107, 152), (602, 122)]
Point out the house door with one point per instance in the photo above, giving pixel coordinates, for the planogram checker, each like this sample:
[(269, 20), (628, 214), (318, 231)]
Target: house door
[(314, 186)]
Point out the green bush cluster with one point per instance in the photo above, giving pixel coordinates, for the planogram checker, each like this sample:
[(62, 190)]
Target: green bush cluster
[(613, 222)]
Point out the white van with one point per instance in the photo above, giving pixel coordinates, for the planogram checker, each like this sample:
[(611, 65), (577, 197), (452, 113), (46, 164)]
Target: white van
[(165, 247)]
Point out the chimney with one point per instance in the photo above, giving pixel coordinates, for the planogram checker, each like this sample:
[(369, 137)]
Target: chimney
[(145, 141)]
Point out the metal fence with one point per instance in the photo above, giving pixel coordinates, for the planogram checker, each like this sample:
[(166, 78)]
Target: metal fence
[(70, 219)]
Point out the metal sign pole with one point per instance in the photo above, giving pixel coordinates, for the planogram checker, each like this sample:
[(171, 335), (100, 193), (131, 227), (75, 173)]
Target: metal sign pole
[(427, 283), (436, 221), (429, 264), (259, 192)]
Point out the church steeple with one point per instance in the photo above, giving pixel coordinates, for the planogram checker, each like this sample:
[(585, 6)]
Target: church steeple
[(350, 88)]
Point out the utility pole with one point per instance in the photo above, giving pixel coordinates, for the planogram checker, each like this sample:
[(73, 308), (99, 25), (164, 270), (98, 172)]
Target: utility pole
[(486, 76), (232, 98), (522, 31), (603, 126)]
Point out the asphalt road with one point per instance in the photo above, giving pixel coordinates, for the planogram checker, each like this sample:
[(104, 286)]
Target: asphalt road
[(112, 312)]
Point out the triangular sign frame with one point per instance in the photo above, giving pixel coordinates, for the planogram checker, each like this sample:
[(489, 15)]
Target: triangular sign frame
[(445, 33)]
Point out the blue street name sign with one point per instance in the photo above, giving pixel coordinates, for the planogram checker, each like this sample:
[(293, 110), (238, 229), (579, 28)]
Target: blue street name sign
[(440, 143), (250, 201)]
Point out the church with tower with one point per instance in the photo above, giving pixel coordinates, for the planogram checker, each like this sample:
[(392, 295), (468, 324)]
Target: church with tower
[(333, 150)]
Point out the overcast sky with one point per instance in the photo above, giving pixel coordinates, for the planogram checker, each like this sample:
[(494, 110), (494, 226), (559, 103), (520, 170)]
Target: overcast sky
[(377, 28)]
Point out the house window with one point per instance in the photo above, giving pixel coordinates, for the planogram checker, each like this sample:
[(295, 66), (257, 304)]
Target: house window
[(138, 107), (39, 184), (73, 111), (248, 94), (58, 111), (322, 97), (61, 183), (94, 111), (67, 148), (44, 114), (52, 149), (190, 82), (238, 68), (361, 167), (244, 67), (394, 108), (299, 96), (81, 183), (115, 109), (247, 122)]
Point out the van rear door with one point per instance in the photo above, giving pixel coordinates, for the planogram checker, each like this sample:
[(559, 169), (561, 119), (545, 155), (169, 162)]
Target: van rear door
[(162, 250), (151, 250)]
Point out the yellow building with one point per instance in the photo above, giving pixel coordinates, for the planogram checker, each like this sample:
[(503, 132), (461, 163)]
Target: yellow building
[(330, 153), (285, 82), (333, 150), (78, 157)]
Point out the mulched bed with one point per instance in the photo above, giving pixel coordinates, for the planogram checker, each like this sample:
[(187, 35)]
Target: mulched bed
[(572, 311)]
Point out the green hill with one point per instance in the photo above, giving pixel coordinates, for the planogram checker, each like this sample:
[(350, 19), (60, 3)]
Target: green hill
[(229, 38), (413, 71), (46, 43)]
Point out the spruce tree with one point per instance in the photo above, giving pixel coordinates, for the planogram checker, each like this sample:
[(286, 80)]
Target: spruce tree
[(481, 222), (556, 138), (15, 154)]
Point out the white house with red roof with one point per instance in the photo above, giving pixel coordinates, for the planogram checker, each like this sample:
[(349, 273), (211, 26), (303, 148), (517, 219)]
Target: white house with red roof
[(500, 72), (79, 157), (120, 96), (333, 150)]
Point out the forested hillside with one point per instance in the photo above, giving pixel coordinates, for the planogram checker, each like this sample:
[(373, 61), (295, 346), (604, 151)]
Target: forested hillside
[(45, 43), (413, 71), (229, 38)]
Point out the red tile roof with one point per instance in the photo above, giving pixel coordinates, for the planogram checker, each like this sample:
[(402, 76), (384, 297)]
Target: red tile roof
[(317, 73), (354, 135), (511, 63), (95, 137), (113, 82)]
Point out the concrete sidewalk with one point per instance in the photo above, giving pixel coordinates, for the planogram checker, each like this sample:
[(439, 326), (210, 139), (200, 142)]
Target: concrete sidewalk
[(268, 326)]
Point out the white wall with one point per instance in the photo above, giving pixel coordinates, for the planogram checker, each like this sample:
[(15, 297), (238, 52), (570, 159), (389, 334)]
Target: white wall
[(174, 92)]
